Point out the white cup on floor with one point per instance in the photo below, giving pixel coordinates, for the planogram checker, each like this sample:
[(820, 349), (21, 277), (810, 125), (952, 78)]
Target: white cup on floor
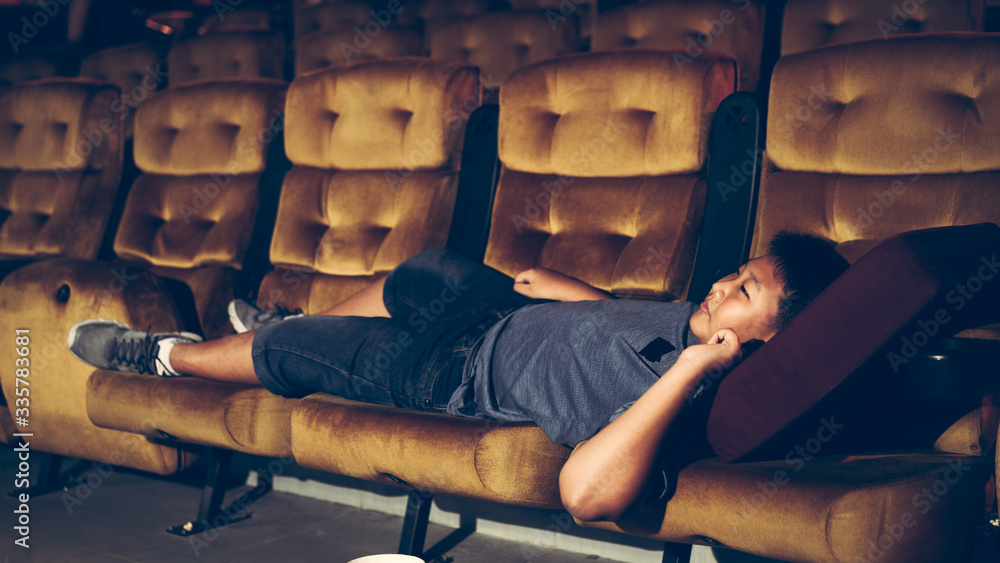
[(387, 558)]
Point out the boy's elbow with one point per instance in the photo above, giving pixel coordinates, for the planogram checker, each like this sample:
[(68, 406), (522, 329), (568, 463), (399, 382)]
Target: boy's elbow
[(589, 507)]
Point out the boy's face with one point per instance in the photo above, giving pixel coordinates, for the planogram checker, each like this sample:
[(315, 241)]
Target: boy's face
[(744, 302)]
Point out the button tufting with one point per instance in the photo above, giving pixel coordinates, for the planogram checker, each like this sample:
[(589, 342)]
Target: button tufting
[(62, 294)]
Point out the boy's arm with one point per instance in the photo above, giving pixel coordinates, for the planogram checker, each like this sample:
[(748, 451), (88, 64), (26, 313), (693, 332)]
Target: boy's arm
[(543, 283), (605, 474)]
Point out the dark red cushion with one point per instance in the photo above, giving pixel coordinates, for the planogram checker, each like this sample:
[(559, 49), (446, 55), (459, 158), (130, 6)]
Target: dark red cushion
[(832, 381)]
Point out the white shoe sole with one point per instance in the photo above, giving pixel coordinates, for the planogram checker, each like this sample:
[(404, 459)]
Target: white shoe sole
[(234, 319)]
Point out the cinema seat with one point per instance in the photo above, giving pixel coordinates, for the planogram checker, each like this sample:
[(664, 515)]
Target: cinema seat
[(584, 11), (604, 217), (338, 48), (376, 147), (226, 55), (203, 150), (60, 162), (138, 69), (812, 23), (692, 27), (858, 156), (500, 42), (422, 13), (239, 20), (331, 16)]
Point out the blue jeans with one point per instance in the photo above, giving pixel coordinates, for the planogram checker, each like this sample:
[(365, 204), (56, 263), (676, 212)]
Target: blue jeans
[(440, 304)]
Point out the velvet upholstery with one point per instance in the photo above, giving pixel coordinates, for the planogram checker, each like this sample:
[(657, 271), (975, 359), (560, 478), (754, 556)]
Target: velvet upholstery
[(423, 12), (60, 163), (227, 54), (331, 16), (812, 23), (376, 147), (239, 20), (138, 69), (237, 417), (202, 148), (602, 179), (508, 463), (337, 48), (830, 510), (526, 37), (48, 298), (555, 10), (694, 26)]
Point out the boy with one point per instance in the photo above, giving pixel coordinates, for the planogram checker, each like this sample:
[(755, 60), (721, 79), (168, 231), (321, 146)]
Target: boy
[(441, 333)]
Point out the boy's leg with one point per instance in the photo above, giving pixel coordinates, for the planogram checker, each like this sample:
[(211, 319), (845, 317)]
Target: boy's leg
[(226, 359), (365, 303)]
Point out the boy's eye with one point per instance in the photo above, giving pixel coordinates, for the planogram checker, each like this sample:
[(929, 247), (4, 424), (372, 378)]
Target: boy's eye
[(743, 288)]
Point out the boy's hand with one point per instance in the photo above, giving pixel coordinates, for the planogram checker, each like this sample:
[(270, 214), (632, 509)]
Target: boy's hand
[(721, 352), (543, 283)]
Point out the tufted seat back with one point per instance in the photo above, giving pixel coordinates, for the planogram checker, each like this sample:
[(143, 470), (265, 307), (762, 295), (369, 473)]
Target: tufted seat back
[(812, 23), (331, 16), (138, 69), (338, 48), (422, 12), (692, 26), (500, 42), (603, 157), (202, 149), (855, 155), (239, 20), (375, 147), (228, 54), (60, 162), (583, 10)]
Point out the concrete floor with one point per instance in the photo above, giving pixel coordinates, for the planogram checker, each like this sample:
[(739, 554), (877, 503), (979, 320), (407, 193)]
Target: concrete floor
[(123, 517)]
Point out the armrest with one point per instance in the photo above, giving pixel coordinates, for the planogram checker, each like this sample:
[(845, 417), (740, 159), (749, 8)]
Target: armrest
[(955, 370)]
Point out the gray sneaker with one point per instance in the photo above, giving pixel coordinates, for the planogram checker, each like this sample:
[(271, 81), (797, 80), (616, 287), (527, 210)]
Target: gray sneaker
[(247, 316), (113, 345)]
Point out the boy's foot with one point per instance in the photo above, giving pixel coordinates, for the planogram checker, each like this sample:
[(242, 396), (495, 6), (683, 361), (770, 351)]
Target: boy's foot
[(247, 316), (108, 344)]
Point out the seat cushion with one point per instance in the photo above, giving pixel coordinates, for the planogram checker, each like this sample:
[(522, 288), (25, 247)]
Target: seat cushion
[(907, 507), (243, 418), (501, 462)]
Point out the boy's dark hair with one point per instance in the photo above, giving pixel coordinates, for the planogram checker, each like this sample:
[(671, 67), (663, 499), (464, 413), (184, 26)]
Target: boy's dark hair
[(806, 265)]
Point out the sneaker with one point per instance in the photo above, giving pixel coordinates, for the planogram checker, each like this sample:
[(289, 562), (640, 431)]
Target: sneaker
[(246, 316), (108, 344)]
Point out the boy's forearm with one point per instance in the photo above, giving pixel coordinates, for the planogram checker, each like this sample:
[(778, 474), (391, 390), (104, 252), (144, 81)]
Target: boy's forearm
[(605, 475)]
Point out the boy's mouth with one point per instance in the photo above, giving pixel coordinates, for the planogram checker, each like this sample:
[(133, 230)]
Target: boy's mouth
[(704, 308)]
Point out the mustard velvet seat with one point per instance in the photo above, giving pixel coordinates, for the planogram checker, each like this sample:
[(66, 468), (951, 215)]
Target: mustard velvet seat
[(202, 149), (421, 13), (501, 42), (48, 298), (812, 23), (341, 125), (644, 125), (871, 156), (376, 148), (337, 48), (690, 26), (138, 69), (239, 20), (227, 54), (555, 10), (60, 162), (330, 16)]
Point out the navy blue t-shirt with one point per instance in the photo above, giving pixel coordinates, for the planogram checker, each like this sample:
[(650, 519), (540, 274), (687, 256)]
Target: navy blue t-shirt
[(571, 367)]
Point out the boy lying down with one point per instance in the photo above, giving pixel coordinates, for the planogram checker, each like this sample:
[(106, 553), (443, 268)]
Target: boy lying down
[(444, 334)]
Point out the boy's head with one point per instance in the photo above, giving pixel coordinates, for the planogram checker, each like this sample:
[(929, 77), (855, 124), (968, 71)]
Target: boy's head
[(767, 292)]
